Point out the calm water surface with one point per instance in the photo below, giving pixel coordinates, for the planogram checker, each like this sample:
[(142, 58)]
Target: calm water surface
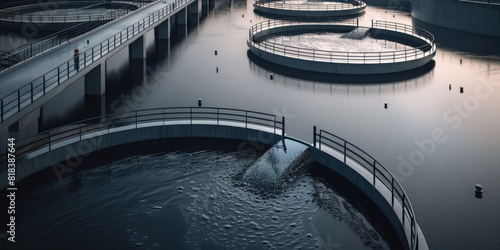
[(437, 141)]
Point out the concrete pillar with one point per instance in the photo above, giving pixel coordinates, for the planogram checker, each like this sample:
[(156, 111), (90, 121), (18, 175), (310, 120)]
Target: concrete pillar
[(137, 48), (162, 31), (205, 7), (95, 80), (181, 17), (181, 20), (194, 10)]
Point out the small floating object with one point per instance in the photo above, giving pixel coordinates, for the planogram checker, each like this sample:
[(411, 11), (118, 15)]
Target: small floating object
[(461, 89), (271, 76), (449, 87), (385, 105), (242, 16), (215, 52), (460, 61), (479, 191), (199, 102)]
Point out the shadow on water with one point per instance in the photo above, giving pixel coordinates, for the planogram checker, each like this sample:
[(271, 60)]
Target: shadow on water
[(461, 40), (390, 4), (342, 78)]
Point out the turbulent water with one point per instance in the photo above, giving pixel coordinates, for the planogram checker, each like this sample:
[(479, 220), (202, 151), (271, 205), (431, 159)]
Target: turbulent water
[(280, 161), (189, 200), (357, 34), (360, 42)]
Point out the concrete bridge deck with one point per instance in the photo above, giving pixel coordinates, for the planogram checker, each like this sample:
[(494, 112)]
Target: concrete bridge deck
[(25, 88), (20, 75)]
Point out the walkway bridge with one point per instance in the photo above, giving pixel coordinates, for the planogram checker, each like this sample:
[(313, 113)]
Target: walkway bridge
[(61, 147), (27, 86)]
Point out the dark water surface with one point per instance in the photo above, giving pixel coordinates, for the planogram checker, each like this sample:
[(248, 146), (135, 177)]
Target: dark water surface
[(437, 141), (190, 200)]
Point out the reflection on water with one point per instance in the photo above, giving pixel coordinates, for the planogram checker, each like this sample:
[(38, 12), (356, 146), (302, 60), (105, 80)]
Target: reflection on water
[(441, 182)]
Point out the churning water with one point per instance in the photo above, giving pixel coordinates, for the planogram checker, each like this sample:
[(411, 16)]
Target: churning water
[(193, 200), (357, 40)]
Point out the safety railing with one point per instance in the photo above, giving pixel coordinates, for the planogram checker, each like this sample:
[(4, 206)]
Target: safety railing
[(324, 141), (55, 2), (66, 18), (342, 56), (348, 151), (311, 6), (32, 91), (28, 51), (149, 117), (27, 2)]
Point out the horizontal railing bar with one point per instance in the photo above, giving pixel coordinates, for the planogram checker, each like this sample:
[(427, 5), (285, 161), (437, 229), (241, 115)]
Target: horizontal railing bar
[(373, 166)]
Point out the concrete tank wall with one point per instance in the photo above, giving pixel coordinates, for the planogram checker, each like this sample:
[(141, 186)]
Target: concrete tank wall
[(472, 17)]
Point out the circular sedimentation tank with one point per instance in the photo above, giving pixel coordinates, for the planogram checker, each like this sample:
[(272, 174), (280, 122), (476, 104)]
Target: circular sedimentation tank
[(342, 47), (310, 8), (62, 14)]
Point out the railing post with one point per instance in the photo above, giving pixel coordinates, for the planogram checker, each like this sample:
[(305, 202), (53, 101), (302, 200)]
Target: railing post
[(374, 171), (283, 129), (1, 105), (392, 192), (58, 75), (49, 140), (18, 100), (404, 197), (43, 84), (345, 151), (246, 119), (319, 142), (314, 136)]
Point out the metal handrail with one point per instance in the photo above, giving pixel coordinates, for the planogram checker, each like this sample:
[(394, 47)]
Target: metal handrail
[(32, 91), (341, 56), (26, 2), (89, 128), (28, 51), (79, 130), (327, 6), (64, 18), (378, 171)]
